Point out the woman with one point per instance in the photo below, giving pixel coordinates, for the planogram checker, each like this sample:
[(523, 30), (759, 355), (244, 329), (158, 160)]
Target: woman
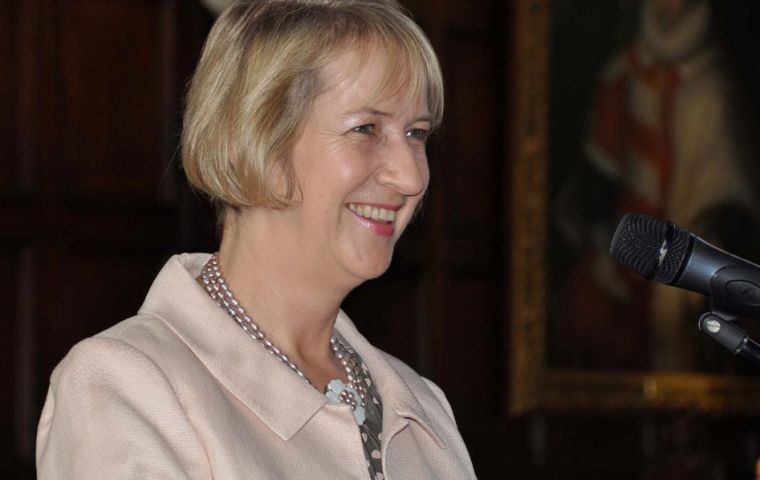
[(306, 124)]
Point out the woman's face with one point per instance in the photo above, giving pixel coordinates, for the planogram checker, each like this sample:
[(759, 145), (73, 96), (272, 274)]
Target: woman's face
[(362, 169)]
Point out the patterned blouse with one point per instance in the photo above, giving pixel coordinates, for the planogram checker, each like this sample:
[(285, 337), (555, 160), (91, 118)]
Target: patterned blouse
[(372, 427)]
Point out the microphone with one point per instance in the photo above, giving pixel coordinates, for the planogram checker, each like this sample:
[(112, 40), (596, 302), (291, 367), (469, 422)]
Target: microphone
[(664, 252)]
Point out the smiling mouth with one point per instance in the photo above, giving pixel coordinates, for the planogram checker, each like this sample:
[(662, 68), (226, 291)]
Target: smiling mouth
[(376, 214)]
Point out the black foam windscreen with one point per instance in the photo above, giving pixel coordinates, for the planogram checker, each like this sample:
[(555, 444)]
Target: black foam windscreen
[(640, 241)]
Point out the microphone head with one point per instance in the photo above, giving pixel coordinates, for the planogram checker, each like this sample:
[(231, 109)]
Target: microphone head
[(651, 247)]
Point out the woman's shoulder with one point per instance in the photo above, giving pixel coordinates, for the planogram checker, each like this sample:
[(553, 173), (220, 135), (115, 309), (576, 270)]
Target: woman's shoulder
[(106, 392), (139, 354), (129, 347)]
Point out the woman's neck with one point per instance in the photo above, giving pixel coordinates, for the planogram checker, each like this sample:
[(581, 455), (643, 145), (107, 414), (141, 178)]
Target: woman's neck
[(280, 291)]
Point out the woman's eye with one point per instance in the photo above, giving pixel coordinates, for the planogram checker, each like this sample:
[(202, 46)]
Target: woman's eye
[(420, 134), (365, 129)]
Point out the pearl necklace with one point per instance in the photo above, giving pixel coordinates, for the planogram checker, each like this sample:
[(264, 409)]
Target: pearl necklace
[(336, 391)]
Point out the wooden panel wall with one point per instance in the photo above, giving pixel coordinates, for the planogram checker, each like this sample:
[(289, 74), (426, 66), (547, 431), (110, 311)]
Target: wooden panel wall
[(89, 196), (116, 92), (9, 269), (8, 170)]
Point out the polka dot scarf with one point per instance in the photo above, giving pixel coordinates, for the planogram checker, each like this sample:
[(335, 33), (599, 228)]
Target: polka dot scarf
[(371, 429)]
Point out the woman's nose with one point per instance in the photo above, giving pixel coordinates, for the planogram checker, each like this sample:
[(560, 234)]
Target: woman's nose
[(404, 168)]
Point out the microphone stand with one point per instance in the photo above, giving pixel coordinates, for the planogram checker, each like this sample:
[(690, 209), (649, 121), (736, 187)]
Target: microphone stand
[(722, 329)]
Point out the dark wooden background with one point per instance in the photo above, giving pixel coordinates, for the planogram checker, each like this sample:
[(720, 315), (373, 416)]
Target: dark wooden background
[(92, 202)]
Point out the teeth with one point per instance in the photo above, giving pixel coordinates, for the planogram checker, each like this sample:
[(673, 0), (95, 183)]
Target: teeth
[(375, 213)]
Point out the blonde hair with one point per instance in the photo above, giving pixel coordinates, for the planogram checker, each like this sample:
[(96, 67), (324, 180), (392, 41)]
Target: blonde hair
[(259, 74)]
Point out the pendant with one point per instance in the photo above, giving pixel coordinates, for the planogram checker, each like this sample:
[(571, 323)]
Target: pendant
[(338, 393)]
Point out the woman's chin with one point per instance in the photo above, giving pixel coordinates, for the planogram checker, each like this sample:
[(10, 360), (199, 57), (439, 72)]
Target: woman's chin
[(371, 267)]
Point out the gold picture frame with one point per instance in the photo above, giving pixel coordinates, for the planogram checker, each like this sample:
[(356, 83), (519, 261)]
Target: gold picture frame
[(534, 385)]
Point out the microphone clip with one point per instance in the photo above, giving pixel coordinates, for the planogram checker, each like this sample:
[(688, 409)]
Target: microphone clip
[(723, 329)]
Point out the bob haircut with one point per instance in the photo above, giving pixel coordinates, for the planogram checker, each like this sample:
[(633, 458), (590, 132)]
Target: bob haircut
[(259, 74)]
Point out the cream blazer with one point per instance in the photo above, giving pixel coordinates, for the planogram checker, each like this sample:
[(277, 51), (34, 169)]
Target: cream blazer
[(179, 392)]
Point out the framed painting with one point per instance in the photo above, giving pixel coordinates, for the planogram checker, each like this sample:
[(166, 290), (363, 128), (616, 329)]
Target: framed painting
[(620, 106)]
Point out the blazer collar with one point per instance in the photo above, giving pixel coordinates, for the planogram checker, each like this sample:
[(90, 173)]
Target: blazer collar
[(284, 402)]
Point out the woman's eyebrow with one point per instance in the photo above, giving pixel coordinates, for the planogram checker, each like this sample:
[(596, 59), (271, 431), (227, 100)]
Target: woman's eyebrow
[(374, 111), (370, 111)]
